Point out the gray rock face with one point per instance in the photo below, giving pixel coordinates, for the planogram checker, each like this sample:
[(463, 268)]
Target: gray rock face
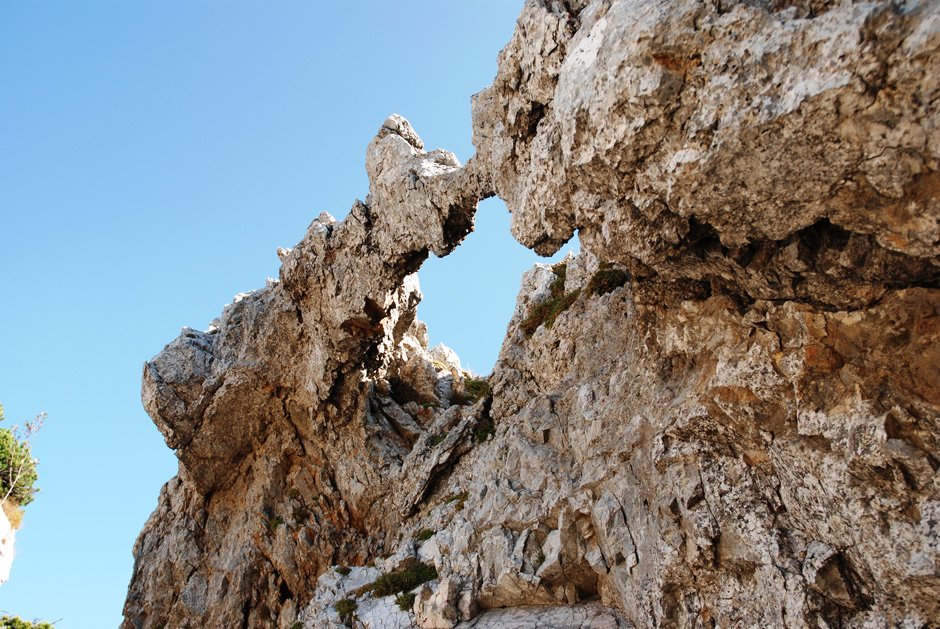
[(733, 422), (294, 378), (685, 138)]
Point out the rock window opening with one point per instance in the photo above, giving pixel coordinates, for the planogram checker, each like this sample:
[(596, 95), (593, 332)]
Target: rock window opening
[(470, 294)]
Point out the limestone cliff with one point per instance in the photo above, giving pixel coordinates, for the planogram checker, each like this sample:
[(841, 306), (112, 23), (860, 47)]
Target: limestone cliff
[(734, 418)]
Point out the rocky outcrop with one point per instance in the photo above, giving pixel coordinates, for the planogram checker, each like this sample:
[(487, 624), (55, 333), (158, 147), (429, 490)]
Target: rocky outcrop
[(733, 419), (282, 413), (383, 613)]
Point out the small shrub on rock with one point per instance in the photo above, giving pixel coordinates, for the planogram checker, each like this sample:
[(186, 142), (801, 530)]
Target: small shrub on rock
[(346, 609), (484, 429), (472, 391), (477, 388), (400, 581), (459, 499), (15, 622), (405, 601), (606, 280), (17, 465), (424, 535), (546, 312)]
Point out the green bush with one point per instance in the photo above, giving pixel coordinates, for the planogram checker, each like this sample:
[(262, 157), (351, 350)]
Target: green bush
[(546, 312), (405, 601), (275, 522), (346, 609), (17, 466), (484, 429), (424, 535), (606, 280), (435, 440), (477, 388), (15, 622), (343, 570), (401, 581)]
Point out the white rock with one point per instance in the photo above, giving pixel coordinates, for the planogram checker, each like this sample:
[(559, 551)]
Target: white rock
[(7, 539)]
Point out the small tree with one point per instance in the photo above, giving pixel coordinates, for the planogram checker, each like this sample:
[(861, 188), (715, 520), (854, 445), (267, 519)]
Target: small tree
[(17, 465), (15, 622)]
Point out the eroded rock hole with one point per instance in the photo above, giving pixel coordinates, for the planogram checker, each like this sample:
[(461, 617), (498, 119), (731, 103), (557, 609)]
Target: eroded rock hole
[(469, 296)]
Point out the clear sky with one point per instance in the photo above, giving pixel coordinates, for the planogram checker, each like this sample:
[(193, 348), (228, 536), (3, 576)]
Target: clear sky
[(153, 156)]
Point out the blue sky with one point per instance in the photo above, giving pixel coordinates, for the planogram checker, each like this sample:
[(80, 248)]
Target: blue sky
[(153, 156)]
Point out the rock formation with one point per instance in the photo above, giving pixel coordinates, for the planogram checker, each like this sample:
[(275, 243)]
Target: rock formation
[(731, 416)]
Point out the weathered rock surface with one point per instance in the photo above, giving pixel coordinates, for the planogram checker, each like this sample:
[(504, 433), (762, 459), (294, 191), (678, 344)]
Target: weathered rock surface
[(786, 148), (741, 430), (383, 613), (291, 380)]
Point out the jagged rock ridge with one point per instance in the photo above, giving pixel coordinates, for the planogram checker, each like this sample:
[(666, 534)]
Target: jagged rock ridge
[(744, 433), (284, 384)]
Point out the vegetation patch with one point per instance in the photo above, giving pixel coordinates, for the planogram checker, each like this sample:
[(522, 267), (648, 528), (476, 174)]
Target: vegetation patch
[(405, 601), (462, 496), (606, 280), (17, 465), (484, 429), (346, 609), (435, 440), (546, 312), (473, 390), (424, 535), (399, 581), (300, 515), (14, 515), (15, 622), (477, 388), (460, 499), (343, 570), (275, 522)]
